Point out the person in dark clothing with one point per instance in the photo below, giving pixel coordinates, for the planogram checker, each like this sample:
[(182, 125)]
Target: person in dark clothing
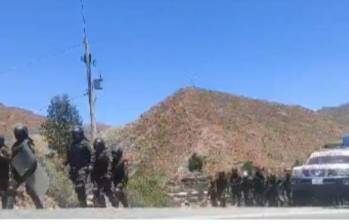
[(4, 171), (259, 187), (221, 186), (119, 176), (79, 159), (272, 191), (286, 186), (24, 144), (101, 174), (235, 187), (212, 192), (246, 188)]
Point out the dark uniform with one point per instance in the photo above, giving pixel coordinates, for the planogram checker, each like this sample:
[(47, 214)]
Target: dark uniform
[(221, 186), (101, 175), (246, 188), (4, 171), (119, 177), (272, 191), (212, 192), (79, 159), (286, 186), (259, 187), (235, 187), (23, 143)]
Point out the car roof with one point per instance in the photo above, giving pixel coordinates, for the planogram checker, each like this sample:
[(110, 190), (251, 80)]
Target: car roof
[(332, 152)]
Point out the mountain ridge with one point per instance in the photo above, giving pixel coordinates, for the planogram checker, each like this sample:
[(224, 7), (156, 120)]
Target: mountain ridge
[(226, 129)]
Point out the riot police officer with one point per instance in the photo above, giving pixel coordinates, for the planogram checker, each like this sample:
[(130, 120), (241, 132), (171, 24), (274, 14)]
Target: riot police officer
[(286, 186), (23, 166), (4, 171), (221, 186), (235, 187), (102, 174), (259, 187), (79, 158), (246, 188), (212, 191), (119, 176), (272, 191)]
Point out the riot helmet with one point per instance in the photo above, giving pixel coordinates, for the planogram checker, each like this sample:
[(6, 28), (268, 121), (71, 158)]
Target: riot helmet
[(21, 133), (117, 153), (99, 145), (78, 134)]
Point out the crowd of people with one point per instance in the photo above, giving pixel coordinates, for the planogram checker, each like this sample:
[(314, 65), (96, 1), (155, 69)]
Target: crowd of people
[(105, 168), (247, 189)]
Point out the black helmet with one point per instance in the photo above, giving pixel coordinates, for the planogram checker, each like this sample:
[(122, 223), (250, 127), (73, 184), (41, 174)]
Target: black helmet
[(99, 144), (78, 133), (2, 140), (117, 153), (21, 133)]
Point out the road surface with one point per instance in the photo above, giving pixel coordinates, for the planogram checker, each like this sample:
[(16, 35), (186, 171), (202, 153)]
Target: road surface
[(182, 213)]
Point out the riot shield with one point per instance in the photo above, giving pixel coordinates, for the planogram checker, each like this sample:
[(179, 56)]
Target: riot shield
[(39, 181), (23, 161)]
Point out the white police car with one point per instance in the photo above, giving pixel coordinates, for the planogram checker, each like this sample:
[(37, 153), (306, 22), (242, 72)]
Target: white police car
[(324, 177)]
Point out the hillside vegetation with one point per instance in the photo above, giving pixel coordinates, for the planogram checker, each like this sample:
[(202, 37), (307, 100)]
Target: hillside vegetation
[(340, 114), (226, 130)]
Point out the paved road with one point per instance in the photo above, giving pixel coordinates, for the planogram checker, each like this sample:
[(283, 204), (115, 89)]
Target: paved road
[(185, 213)]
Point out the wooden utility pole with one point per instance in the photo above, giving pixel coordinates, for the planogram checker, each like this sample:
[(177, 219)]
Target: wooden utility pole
[(90, 88)]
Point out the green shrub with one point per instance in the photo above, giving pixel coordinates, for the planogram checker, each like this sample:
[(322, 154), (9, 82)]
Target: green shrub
[(147, 191), (61, 188), (196, 163)]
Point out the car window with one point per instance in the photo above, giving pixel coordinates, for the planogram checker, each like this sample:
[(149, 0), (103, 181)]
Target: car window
[(328, 160)]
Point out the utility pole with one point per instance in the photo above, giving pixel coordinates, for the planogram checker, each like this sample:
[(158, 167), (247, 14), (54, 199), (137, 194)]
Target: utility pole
[(87, 58)]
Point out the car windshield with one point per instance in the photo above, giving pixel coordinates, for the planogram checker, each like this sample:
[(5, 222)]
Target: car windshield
[(328, 160)]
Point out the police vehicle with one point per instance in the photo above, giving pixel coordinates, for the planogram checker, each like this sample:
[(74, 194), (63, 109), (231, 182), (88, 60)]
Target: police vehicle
[(323, 178)]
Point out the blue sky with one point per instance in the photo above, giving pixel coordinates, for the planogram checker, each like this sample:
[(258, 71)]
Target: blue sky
[(290, 51)]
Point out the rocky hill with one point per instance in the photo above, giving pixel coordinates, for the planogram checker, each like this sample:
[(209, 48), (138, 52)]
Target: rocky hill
[(340, 114), (11, 116), (226, 129)]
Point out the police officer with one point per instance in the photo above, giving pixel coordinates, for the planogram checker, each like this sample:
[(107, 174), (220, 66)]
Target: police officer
[(101, 174), (272, 191), (259, 187), (286, 186), (235, 187), (221, 186), (24, 144), (79, 159), (246, 188), (4, 171), (119, 176), (212, 191)]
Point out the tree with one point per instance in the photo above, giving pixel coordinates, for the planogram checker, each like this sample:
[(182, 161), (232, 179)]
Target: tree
[(195, 163), (61, 117)]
